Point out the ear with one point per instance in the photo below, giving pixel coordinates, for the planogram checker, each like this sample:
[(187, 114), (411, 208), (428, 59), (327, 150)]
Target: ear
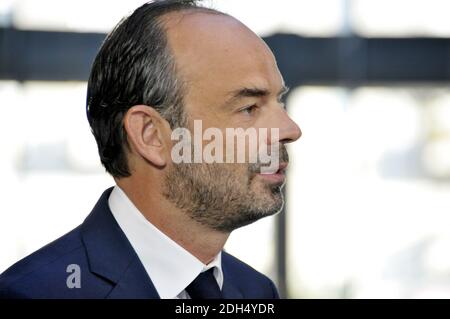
[(144, 127)]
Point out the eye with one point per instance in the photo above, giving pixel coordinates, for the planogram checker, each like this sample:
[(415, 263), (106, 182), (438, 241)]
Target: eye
[(249, 109)]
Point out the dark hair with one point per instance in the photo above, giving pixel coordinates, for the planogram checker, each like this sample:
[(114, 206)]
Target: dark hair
[(134, 66)]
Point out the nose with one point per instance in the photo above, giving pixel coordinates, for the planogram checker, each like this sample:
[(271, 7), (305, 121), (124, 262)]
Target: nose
[(289, 131)]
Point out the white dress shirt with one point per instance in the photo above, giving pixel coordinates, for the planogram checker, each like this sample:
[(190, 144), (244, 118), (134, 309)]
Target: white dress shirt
[(170, 267)]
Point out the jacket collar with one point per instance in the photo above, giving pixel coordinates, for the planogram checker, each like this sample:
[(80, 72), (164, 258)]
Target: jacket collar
[(111, 256)]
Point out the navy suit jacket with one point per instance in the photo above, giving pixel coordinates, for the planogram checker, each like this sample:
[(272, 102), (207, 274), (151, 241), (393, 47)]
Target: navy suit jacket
[(109, 267)]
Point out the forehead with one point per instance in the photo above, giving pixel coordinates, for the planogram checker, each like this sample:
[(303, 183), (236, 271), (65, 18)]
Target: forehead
[(218, 53)]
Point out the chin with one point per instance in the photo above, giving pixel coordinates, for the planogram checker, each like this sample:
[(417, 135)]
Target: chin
[(272, 202)]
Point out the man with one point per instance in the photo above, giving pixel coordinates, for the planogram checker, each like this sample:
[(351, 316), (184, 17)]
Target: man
[(159, 233)]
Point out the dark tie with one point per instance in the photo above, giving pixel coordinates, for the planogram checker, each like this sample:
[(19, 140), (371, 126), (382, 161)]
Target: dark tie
[(204, 286)]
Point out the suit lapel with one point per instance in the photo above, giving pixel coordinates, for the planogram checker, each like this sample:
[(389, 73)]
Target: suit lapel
[(229, 288), (134, 284), (111, 255)]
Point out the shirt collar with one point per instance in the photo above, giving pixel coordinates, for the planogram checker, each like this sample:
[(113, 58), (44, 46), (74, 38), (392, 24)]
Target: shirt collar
[(170, 267)]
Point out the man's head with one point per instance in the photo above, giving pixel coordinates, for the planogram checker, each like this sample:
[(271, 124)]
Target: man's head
[(173, 62)]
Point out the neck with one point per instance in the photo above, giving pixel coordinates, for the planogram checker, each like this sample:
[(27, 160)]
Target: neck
[(202, 242)]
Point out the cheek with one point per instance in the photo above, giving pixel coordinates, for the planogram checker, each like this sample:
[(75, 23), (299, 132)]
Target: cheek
[(238, 173)]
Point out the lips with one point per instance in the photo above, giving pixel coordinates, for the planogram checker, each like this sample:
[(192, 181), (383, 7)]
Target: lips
[(281, 169), (278, 177)]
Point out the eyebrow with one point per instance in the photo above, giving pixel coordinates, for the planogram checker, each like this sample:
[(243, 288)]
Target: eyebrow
[(253, 92)]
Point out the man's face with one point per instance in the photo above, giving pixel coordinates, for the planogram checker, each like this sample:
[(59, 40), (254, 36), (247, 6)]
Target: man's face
[(232, 81)]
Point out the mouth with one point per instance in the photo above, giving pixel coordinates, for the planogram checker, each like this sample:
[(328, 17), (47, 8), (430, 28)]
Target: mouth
[(278, 177)]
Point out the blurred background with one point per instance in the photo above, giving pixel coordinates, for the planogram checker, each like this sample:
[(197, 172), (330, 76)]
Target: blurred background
[(368, 194)]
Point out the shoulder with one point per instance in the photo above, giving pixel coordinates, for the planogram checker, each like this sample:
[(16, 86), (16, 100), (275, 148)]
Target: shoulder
[(44, 273), (250, 281)]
